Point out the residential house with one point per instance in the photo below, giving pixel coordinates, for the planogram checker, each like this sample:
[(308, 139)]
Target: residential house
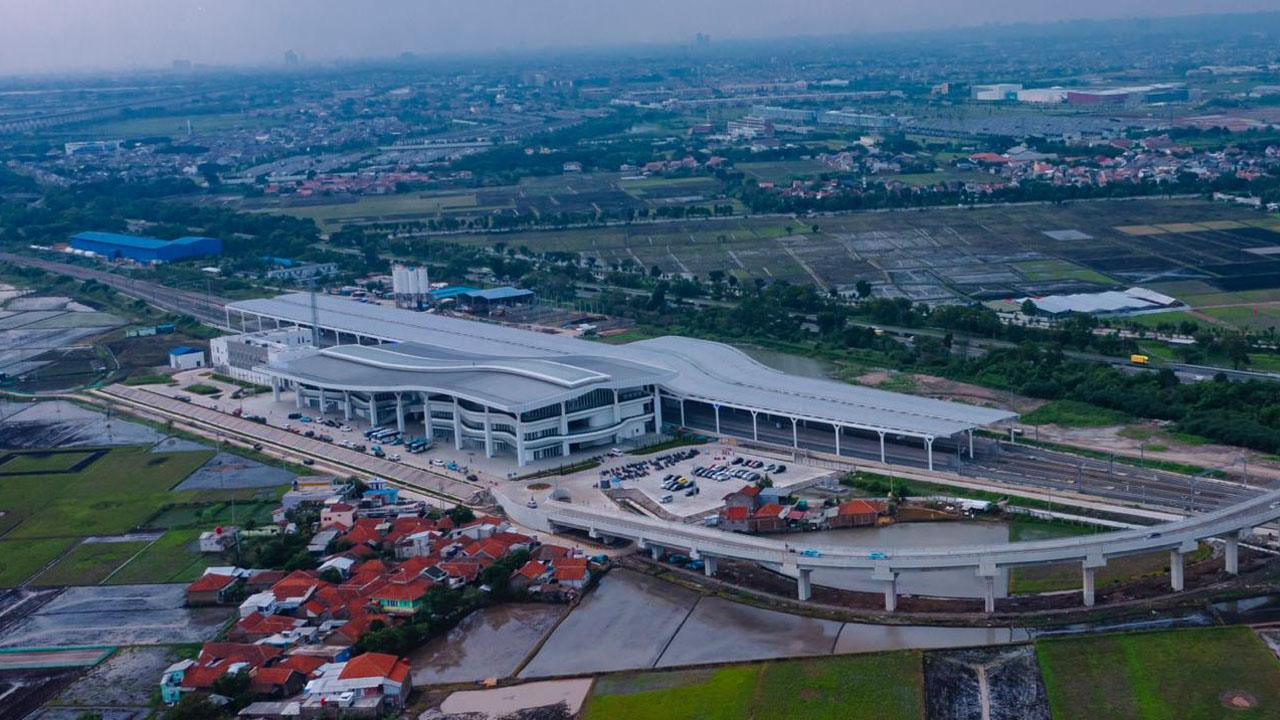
[(853, 513), (768, 518), (218, 540), (338, 514), (276, 682), (403, 598), (368, 685), (735, 519), (211, 589)]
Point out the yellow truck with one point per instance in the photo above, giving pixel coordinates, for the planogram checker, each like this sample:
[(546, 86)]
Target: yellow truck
[(1140, 359)]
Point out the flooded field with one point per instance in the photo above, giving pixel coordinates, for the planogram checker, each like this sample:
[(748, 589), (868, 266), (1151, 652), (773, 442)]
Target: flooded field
[(635, 622), (862, 638), (624, 624), (122, 615), (490, 642), (722, 631), (953, 583), (57, 423)]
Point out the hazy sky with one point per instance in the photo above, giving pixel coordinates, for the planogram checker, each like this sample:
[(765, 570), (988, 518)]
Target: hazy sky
[(51, 35)]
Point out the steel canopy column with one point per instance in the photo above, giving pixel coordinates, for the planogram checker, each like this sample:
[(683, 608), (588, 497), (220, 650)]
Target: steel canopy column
[(488, 433), (373, 409), (837, 427), (457, 425), (682, 412), (795, 434), (275, 389), (426, 415), (400, 412), (657, 410), (346, 405), (321, 401), (882, 455), (755, 427), (928, 444), (717, 407)]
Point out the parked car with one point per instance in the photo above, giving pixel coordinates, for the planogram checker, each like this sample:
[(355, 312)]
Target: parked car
[(295, 416), (308, 461), (810, 552), (665, 499)]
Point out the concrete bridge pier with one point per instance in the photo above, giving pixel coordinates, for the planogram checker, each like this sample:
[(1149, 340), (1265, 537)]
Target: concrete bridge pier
[(988, 571), (804, 585), (890, 579), (1088, 570), (709, 565), (655, 552), (1176, 574), (1231, 554)]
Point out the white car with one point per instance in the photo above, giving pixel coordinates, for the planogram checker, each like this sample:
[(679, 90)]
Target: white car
[(437, 462), (345, 428), (394, 457)]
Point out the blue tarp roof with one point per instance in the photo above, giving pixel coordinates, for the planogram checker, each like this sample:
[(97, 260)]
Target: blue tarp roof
[(500, 293), (185, 350)]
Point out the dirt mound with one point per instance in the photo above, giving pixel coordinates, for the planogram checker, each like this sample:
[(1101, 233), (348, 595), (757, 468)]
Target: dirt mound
[(1238, 700)]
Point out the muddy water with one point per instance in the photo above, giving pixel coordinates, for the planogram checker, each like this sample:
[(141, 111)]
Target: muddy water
[(722, 631), (788, 363), (952, 583), (490, 642), (625, 623), (860, 638)]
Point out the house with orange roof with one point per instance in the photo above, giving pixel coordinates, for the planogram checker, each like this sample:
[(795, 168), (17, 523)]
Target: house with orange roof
[(211, 589), (529, 574), (770, 517), (403, 598), (574, 577), (854, 513), (276, 682), (368, 685)]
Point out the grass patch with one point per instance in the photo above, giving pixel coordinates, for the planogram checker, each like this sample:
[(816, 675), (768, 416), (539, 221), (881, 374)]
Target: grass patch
[(111, 496), (723, 694), (1025, 528), (172, 558), (1072, 413), (898, 383), (1034, 579), (156, 379), (1173, 674), (42, 462), (88, 563), (19, 559), (203, 389), (884, 686)]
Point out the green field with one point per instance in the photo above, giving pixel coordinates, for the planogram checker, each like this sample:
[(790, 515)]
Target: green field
[(1060, 270), (111, 496), (1034, 579), (1071, 413), (1178, 674), (884, 686), (42, 462), (88, 563), (175, 557), (174, 126), (20, 559), (125, 488)]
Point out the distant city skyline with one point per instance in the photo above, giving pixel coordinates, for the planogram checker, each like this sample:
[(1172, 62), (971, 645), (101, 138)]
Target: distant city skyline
[(85, 35)]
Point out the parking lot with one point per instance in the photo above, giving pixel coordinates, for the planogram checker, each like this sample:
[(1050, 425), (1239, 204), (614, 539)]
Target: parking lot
[(647, 473)]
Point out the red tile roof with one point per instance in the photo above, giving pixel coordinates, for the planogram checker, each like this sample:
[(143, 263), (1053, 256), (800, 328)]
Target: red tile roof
[(859, 507), (570, 573), (375, 665), (404, 591), (737, 512), (532, 570), (254, 655), (266, 679), (768, 510), (305, 664), (210, 583)]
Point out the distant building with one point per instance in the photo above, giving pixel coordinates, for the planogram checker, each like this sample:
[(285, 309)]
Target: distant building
[(91, 147), (114, 246), (238, 355), (484, 301), (305, 271), (996, 92), (185, 357), (864, 121), (291, 58), (750, 127), (786, 115)]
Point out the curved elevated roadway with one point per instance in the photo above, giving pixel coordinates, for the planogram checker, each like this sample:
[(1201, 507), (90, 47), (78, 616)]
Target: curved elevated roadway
[(1229, 524)]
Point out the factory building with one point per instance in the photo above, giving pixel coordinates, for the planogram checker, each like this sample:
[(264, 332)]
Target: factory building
[(114, 246)]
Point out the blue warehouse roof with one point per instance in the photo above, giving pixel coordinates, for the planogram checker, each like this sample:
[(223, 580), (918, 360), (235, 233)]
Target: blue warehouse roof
[(134, 241)]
